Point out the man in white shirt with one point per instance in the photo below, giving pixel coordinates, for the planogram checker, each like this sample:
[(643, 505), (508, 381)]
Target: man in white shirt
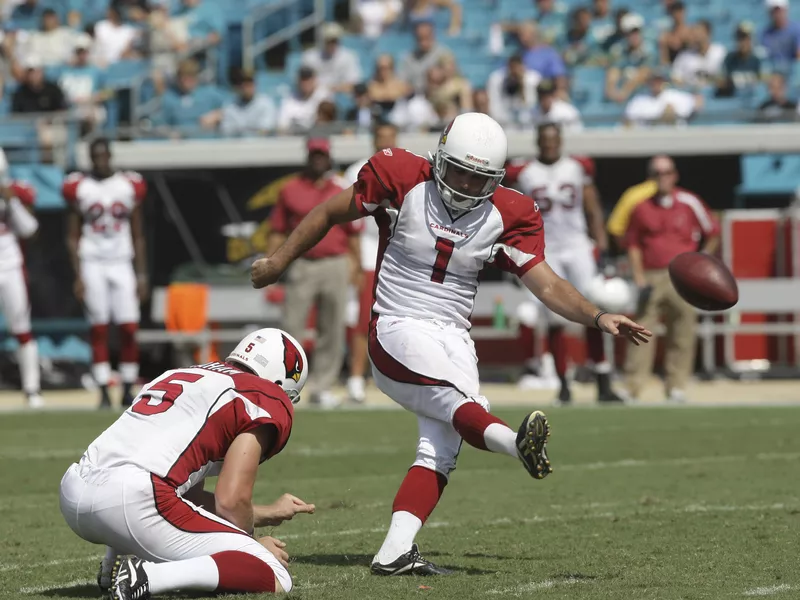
[(662, 104), (113, 39), (298, 112), (702, 62), (338, 68), (512, 92), (250, 113), (552, 109), (52, 44)]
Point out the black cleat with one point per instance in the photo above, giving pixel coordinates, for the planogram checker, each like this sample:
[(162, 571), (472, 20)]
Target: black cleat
[(609, 397), (105, 399), (564, 395), (129, 580), (410, 563), (532, 444)]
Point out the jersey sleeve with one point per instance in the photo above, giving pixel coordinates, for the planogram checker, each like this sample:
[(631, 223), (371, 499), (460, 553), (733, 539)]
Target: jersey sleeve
[(589, 169), (139, 185), (513, 170), (265, 404), (25, 192), (69, 189), (521, 245), (387, 177)]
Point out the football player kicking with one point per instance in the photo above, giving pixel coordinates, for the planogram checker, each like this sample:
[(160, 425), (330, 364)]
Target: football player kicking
[(440, 221), (564, 190), (138, 489)]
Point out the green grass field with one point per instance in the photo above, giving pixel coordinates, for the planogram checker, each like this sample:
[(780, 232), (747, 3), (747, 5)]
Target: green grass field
[(644, 503)]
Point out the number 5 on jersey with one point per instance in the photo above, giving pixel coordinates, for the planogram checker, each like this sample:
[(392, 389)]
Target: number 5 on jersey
[(162, 394)]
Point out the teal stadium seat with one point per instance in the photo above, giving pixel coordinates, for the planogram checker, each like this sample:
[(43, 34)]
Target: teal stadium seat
[(769, 175)]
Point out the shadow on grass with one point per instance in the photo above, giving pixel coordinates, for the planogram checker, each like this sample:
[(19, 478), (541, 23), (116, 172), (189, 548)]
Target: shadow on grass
[(364, 560)]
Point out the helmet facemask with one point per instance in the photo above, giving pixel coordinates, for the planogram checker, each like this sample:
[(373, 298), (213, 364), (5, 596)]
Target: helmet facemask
[(457, 201)]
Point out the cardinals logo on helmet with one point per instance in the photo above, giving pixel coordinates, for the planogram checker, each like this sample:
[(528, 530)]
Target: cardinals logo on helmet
[(292, 361), (443, 139)]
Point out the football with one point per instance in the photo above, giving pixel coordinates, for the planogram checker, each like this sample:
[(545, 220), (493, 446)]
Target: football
[(703, 281)]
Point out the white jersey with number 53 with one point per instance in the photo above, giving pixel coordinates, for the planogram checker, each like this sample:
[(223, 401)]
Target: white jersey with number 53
[(558, 190)]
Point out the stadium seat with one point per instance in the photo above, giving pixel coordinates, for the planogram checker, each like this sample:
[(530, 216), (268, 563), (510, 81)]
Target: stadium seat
[(769, 174)]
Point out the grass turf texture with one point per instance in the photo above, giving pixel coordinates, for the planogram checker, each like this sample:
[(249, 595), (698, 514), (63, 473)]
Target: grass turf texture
[(644, 503)]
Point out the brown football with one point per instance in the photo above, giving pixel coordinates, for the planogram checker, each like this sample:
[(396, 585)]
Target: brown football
[(703, 281)]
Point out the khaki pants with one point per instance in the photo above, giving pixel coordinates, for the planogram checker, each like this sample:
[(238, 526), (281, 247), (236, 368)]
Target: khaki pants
[(322, 283), (680, 320)]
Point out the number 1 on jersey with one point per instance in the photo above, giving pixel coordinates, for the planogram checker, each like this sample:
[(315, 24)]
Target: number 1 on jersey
[(444, 250)]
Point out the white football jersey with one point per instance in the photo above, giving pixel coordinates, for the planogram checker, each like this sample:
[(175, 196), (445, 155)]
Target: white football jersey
[(106, 206), (558, 190), (369, 235), (10, 251), (181, 425), (428, 262)]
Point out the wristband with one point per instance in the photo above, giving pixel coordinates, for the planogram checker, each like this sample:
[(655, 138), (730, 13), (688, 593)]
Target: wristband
[(597, 318)]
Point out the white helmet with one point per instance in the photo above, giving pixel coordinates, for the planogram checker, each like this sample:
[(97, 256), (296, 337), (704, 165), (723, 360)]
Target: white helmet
[(276, 356), (475, 142), (613, 294)]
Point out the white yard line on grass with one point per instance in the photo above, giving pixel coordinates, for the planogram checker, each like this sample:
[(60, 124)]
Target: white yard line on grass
[(534, 586), (50, 563), (771, 590), (38, 589)]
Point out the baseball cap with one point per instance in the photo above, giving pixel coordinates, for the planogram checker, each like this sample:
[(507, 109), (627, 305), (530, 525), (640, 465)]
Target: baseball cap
[(318, 144), (545, 87), (772, 4), (32, 62), (631, 22), (83, 42), (744, 30), (332, 31)]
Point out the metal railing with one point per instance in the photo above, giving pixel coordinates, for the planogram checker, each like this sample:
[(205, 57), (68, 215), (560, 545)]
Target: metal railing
[(251, 48)]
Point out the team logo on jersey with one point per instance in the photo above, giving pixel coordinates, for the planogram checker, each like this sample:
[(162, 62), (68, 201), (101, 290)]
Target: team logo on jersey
[(292, 361), (387, 151), (443, 139)]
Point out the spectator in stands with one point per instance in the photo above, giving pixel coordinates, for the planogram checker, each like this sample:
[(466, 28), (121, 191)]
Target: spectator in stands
[(661, 104), (298, 112), (577, 45), (167, 38), (363, 114), (424, 11), (425, 111), (778, 107), (36, 94), (376, 15), (617, 36), (251, 114), (189, 105), (669, 223), (455, 89), (480, 102), (677, 36), (602, 22), (320, 277), (631, 60), (326, 122), (512, 92), (539, 57), (52, 44), (781, 38), (742, 68), (114, 40), (428, 53), (204, 20), (701, 63), (83, 85), (83, 13), (551, 109), (27, 15), (337, 68), (386, 88), (551, 17)]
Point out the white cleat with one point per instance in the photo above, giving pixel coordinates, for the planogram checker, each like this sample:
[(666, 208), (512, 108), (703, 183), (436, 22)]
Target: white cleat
[(35, 401), (676, 396), (326, 400), (356, 389)]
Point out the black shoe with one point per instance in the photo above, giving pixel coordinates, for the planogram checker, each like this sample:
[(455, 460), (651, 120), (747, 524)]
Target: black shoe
[(564, 395), (105, 399), (411, 563), (104, 577), (129, 580), (532, 444), (609, 397)]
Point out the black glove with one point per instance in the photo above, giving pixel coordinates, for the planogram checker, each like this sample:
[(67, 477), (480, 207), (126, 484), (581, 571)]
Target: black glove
[(644, 296)]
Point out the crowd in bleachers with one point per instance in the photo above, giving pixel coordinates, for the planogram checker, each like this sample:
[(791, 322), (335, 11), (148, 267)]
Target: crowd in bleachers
[(415, 63)]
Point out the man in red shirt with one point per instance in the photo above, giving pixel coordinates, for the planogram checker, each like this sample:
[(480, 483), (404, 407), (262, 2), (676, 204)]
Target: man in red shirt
[(320, 277), (669, 223)]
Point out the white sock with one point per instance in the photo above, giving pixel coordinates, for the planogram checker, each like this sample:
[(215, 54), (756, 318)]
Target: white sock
[(28, 357), (101, 372), (602, 367), (402, 531), (129, 372), (501, 439), (199, 573)]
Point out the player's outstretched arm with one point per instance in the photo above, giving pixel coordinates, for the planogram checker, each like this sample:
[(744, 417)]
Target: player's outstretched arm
[(562, 298), (341, 208), (233, 496), (283, 509)]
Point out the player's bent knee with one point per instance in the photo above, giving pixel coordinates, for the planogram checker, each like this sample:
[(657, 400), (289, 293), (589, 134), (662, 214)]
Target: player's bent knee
[(482, 401)]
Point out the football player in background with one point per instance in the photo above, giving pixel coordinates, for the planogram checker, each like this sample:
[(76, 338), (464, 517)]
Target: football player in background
[(441, 219), (17, 223), (107, 247), (384, 136), (564, 189), (147, 499)]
